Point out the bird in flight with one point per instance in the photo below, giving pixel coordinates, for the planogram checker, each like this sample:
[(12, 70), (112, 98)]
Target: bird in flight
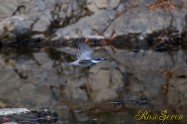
[(85, 56)]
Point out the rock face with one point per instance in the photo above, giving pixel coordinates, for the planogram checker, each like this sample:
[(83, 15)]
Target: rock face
[(102, 4), (129, 17), (99, 22), (7, 8), (13, 27), (143, 20), (69, 19), (40, 79)]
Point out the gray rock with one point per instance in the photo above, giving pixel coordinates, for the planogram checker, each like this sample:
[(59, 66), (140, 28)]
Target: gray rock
[(73, 89), (117, 80), (100, 81), (22, 71), (114, 3), (50, 4), (92, 7), (42, 24), (26, 93), (14, 24), (101, 3), (10, 82), (179, 59), (37, 16), (68, 50), (37, 74), (140, 19), (43, 59), (79, 94), (94, 70), (7, 8), (106, 94), (42, 95), (99, 22), (150, 82), (97, 5), (72, 15), (136, 61), (8, 64), (75, 93), (54, 78), (120, 8)]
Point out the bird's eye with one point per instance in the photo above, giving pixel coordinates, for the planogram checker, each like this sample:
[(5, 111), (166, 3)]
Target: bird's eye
[(81, 62), (98, 59)]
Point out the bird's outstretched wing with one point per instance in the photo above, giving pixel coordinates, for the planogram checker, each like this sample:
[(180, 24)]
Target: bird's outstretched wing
[(84, 51)]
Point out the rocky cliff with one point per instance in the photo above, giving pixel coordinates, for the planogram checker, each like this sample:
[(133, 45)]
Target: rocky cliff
[(144, 40)]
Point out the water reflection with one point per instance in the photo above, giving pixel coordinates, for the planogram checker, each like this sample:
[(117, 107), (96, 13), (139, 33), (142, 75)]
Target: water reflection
[(138, 81)]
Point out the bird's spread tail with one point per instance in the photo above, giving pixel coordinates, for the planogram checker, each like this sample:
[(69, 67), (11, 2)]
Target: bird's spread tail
[(71, 64)]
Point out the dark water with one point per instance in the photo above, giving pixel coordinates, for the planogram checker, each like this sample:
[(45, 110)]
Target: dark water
[(117, 111)]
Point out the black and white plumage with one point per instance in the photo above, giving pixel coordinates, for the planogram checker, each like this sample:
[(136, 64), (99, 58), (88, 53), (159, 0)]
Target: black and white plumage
[(84, 51), (85, 56)]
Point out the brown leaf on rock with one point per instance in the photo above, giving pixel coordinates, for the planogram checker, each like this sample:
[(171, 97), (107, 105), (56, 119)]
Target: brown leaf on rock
[(163, 4)]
